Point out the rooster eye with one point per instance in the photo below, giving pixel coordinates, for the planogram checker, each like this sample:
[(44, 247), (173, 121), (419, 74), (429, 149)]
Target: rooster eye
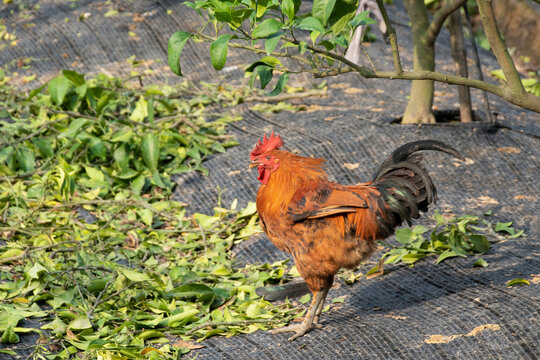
[(267, 157)]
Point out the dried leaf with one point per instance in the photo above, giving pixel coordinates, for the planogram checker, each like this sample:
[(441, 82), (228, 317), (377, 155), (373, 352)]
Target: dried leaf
[(188, 345)]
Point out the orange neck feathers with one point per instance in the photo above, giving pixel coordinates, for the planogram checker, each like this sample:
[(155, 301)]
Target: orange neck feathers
[(294, 173)]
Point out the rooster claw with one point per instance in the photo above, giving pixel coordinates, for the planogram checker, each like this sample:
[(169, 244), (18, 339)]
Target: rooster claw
[(299, 330)]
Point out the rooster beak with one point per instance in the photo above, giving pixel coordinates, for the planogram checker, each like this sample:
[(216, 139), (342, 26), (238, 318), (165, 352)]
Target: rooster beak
[(253, 164)]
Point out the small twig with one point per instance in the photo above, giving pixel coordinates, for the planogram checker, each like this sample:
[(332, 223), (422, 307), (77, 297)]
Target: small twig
[(34, 249), (369, 57), (74, 114), (115, 294), (85, 267), (229, 323), (34, 134)]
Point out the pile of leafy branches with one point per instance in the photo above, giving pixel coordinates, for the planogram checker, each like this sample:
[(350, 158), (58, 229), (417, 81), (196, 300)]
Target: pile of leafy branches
[(94, 254)]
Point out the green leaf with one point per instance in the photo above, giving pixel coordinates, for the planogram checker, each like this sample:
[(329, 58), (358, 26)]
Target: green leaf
[(150, 334), (480, 243), (73, 129), (121, 157), (312, 24), (140, 112), (271, 42), (73, 76), (516, 235), (94, 173), (150, 151), (262, 5), (206, 221), (103, 101), (405, 236), (127, 174), (138, 184), (322, 9), (58, 88), (506, 227), (34, 92), (267, 60), (98, 148), (11, 253), (157, 180), (146, 216), (445, 255), (282, 81), (305, 299), (412, 258), (287, 6), (343, 12), (179, 318), (266, 28), (133, 275), (480, 263), (264, 73), (26, 158), (36, 270), (362, 19), (57, 326), (175, 46), (122, 136), (80, 323), (518, 282), (44, 147), (420, 229), (218, 51)]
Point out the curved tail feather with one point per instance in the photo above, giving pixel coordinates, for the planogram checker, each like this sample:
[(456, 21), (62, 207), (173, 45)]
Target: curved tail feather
[(405, 186)]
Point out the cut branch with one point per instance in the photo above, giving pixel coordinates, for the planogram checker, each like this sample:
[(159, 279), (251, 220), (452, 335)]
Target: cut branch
[(34, 249), (229, 323)]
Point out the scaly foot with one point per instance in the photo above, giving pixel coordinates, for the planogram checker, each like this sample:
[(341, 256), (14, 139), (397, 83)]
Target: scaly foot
[(299, 330)]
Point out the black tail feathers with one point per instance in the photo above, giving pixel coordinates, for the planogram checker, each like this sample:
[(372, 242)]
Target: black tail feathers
[(405, 185)]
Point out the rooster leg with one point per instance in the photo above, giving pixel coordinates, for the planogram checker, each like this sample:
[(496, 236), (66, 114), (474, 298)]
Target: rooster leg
[(319, 309), (309, 321)]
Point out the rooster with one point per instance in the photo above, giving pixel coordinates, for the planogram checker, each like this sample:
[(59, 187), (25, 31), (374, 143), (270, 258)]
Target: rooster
[(326, 226)]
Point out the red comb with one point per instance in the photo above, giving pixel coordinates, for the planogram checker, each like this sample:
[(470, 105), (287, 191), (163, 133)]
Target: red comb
[(272, 143)]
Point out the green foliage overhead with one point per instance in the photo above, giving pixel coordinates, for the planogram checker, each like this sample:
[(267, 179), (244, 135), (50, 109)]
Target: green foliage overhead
[(276, 27)]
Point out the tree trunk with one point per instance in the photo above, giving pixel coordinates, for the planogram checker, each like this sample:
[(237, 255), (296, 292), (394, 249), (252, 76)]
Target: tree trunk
[(460, 58), (421, 96)]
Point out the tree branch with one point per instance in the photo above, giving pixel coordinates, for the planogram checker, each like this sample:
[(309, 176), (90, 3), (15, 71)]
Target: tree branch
[(392, 37), (439, 18), (526, 100), (515, 87)]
